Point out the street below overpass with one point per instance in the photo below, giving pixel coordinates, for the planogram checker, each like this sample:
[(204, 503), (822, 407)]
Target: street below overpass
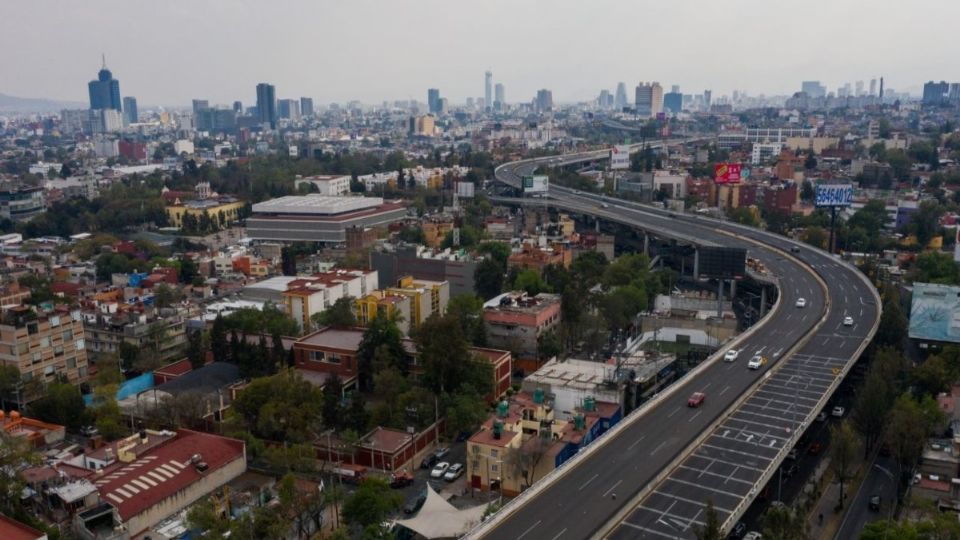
[(629, 484)]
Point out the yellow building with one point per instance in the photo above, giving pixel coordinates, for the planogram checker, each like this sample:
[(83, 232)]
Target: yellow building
[(426, 298), (229, 207), (369, 306)]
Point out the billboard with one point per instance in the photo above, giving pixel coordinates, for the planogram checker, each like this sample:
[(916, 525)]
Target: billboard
[(722, 262), (834, 195), (536, 184), (935, 312), (726, 173), (619, 157), (465, 190)]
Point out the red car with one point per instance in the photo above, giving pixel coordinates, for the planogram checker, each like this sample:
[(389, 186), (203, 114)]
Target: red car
[(696, 399)]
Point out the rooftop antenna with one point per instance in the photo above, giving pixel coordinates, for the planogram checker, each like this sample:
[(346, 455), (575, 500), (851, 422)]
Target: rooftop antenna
[(103, 58)]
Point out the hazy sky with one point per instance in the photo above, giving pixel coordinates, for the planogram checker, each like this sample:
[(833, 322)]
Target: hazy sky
[(168, 52)]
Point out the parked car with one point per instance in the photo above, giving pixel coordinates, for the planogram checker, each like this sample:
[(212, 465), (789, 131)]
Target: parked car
[(738, 530), (696, 399), (753, 535), (439, 469), (401, 479), (429, 461), (415, 504), (875, 502), (441, 452), (453, 472), (731, 355), (838, 411)]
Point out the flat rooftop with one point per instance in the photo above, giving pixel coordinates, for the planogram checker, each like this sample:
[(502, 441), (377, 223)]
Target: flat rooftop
[(321, 205)]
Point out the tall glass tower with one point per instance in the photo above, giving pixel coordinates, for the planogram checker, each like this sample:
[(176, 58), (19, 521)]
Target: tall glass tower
[(105, 91)]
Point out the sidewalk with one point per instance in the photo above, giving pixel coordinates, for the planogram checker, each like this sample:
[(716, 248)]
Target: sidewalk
[(829, 497)]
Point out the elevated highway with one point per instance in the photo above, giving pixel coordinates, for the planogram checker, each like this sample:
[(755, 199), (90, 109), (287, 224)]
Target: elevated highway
[(653, 474)]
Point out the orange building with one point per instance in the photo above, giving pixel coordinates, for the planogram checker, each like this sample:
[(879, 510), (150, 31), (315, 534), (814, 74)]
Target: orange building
[(533, 258)]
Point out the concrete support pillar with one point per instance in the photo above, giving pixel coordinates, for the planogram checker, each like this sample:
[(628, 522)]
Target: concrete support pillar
[(696, 264), (646, 244), (720, 299), (596, 225), (763, 301), (733, 289)]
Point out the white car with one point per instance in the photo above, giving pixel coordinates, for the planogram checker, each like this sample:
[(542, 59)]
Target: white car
[(731, 355), (848, 321), (801, 302), (756, 362), (439, 469), (454, 472), (752, 535), (838, 411)]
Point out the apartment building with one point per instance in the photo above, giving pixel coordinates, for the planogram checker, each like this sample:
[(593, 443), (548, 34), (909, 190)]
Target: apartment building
[(106, 327), (515, 321), (304, 297), (426, 298), (44, 344)]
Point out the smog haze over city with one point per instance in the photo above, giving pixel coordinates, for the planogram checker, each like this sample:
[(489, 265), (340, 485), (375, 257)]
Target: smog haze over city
[(373, 50)]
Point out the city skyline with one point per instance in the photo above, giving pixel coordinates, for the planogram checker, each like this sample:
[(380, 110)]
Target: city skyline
[(159, 70)]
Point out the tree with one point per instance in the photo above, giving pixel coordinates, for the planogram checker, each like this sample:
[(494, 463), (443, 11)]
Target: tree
[(196, 351), (341, 313), (282, 407), (371, 503), (893, 324), (268, 320), (442, 352), (61, 404), (488, 278), (816, 236), (332, 410), (188, 270), (530, 281), (936, 267), (109, 420), (381, 332), (873, 403), (784, 523), (467, 309), (218, 339), (202, 517), (908, 427), (356, 416), (932, 376), (527, 458), (844, 449), (14, 455), (806, 190), (465, 412), (549, 346), (711, 529)]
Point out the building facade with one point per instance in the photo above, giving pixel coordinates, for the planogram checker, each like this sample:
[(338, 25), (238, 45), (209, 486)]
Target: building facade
[(44, 345)]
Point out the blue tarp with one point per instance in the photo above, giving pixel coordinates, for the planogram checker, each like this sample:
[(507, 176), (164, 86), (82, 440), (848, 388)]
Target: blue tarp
[(129, 388)]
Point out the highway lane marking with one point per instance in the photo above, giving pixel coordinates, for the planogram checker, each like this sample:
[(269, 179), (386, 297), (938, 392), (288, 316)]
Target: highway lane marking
[(704, 389), (731, 451), (613, 487), (725, 462), (694, 416), (532, 527), (659, 446), (701, 486), (675, 411), (559, 534), (776, 354), (725, 477), (636, 442), (587, 482), (691, 501), (651, 531), (725, 388)]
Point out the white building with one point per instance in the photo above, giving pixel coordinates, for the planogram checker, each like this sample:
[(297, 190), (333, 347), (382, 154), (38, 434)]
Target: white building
[(763, 152), (330, 185), (183, 146)]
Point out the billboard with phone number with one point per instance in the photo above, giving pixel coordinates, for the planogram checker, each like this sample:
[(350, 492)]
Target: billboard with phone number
[(834, 195), (726, 173), (536, 184)]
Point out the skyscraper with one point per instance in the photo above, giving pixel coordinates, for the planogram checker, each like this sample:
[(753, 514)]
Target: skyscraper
[(859, 87), (306, 106), (499, 97), (488, 89), (873, 87), (288, 108), (935, 93), (130, 109), (105, 91), (707, 96), (544, 101), (620, 101), (267, 104), (813, 89), (433, 100), (649, 99), (238, 107), (199, 105), (673, 100)]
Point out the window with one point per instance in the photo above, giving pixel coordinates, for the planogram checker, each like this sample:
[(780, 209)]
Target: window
[(80, 345), (476, 464), (493, 452), (493, 467), (36, 358), (68, 334), (71, 363), (58, 350), (45, 341), (55, 320), (316, 356)]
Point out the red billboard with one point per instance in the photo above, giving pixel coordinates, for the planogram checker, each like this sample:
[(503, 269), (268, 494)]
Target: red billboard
[(726, 173)]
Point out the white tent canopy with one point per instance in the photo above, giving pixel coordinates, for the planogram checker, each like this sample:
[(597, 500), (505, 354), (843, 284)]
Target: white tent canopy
[(440, 519)]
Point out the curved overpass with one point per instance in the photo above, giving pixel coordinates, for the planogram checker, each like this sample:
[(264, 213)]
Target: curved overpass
[(651, 476)]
